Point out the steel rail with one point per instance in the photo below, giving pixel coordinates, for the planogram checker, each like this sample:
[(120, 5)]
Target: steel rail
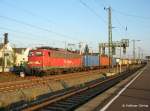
[(77, 95), (16, 85)]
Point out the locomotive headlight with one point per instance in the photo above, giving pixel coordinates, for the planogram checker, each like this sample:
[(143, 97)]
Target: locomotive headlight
[(34, 62), (37, 62), (30, 62)]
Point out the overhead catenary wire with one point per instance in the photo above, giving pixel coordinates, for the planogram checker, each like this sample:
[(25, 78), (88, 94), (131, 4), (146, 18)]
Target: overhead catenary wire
[(18, 40), (116, 18), (122, 29), (26, 34), (27, 11), (106, 4), (32, 14), (17, 31), (22, 34), (39, 16), (103, 4), (125, 13), (36, 27), (94, 12), (119, 23), (131, 15), (125, 28)]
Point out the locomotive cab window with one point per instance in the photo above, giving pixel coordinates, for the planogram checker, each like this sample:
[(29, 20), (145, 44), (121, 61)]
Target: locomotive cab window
[(38, 53)]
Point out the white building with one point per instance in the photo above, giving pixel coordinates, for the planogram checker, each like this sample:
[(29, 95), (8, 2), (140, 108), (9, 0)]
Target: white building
[(21, 55), (12, 56), (5, 56)]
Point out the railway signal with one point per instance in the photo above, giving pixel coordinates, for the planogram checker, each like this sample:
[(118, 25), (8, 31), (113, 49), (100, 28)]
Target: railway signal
[(5, 38), (124, 43), (124, 48), (86, 50), (113, 50)]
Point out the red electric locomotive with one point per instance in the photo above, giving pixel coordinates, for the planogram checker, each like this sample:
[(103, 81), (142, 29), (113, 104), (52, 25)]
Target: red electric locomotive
[(53, 60)]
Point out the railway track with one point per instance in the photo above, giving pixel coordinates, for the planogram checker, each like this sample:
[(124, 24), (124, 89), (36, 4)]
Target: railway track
[(71, 99), (9, 77), (35, 82)]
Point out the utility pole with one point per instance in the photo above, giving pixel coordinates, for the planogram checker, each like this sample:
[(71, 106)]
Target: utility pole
[(109, 35), (139, 53), (80, 47), (133, 49), (142, 55), (120, 59)]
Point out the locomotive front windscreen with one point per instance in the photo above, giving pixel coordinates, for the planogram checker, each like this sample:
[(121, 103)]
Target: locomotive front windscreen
[(36, 53)]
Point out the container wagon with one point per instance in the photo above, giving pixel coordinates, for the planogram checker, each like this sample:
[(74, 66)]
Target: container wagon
[(114, 62), (124, 62), (91, 61), (104, 61)]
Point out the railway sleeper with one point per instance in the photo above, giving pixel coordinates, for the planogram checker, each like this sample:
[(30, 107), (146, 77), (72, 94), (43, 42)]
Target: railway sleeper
[(70, 100), (62, 106), (65, 103), (78, 99), (75, 99), (51, 108), (81, 97)]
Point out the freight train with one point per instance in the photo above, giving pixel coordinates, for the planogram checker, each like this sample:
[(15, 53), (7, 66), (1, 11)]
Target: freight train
[(47, 60)]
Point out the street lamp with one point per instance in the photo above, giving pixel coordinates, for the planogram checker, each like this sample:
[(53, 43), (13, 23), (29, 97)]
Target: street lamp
[(139, 53)]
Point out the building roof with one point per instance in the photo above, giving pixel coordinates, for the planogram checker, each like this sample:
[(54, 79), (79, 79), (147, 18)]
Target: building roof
[(19, 50)]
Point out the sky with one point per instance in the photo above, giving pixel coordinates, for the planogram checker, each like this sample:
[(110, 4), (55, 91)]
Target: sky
[(31, 23)]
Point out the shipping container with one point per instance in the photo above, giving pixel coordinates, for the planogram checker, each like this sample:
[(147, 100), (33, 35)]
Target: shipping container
[(133, 61), (130, 62), (104, 61), (90, 60), (114, 62), (124, 62)]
